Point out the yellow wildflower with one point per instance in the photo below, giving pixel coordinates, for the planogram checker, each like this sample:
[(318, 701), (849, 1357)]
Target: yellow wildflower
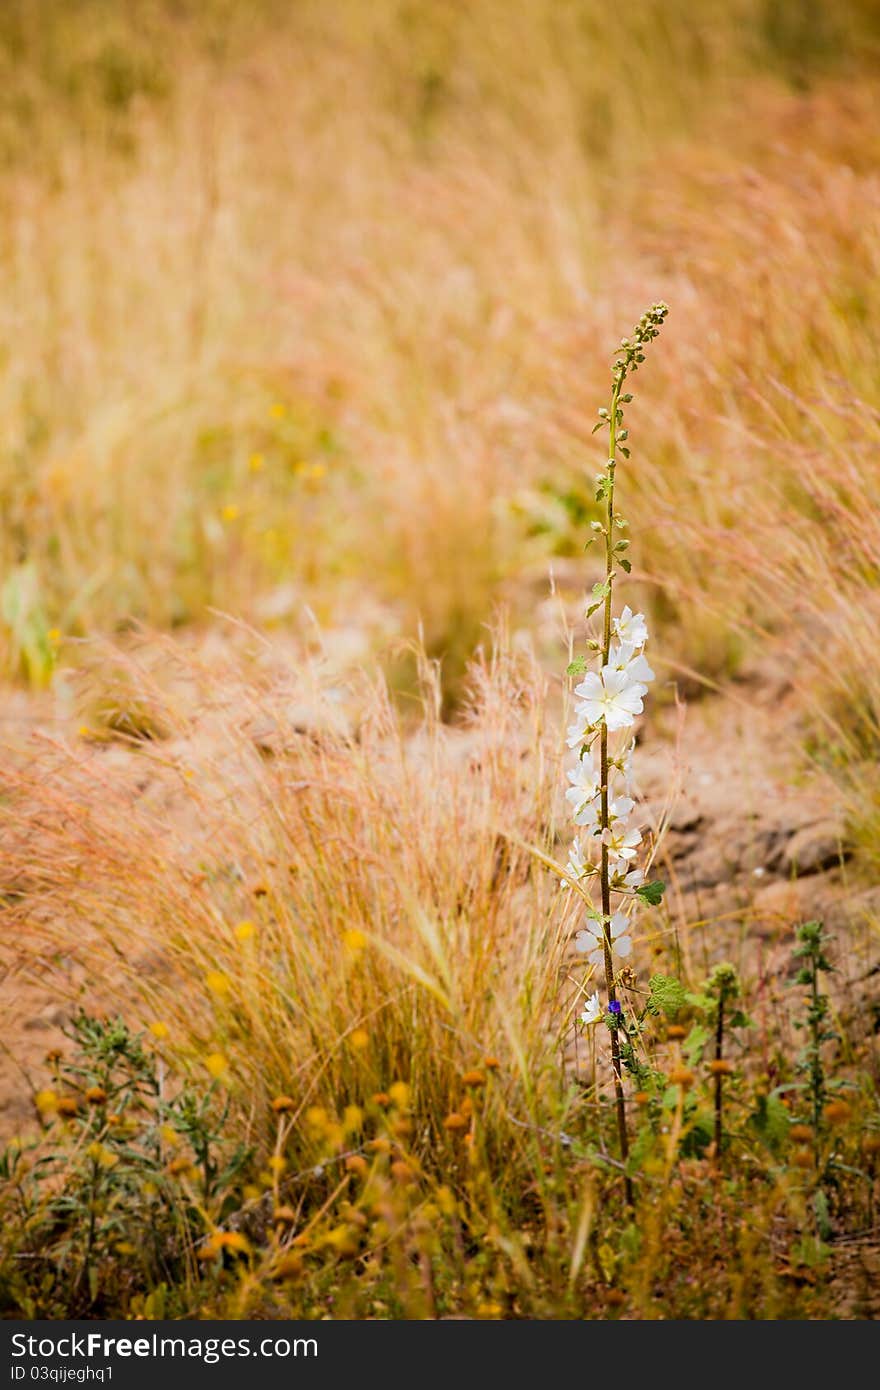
[(46, 1101), (352, 1118), (399, 1094)]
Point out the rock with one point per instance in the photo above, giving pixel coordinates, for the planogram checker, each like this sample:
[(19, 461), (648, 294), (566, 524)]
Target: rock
[(785, 903), (768, 847), (778, 906), (816, 847), (50, 1017)]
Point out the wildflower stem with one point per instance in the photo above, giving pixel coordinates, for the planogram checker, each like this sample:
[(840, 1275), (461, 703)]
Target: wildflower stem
[(811, 950), (719, 1079), (817, 1077), (603, 806)]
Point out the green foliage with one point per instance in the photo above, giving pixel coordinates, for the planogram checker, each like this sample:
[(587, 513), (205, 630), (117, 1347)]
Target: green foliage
[(22, 610), (107, 1201), (810, 949), (770, 1120), (600, 593), (651, 893), (667, 995), (695, 1043)]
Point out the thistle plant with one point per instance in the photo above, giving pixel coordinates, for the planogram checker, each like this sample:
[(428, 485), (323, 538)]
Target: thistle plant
[(723, 989), (811, 950), (608, 700)]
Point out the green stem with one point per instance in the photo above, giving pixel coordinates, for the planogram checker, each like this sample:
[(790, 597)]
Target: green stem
[(817, 1077), (719, 1080), (610, 986)]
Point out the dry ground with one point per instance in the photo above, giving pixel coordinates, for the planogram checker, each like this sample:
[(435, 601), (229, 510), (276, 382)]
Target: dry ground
[(750, 843)]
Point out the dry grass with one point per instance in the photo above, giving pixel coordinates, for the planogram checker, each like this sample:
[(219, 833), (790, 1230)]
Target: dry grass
[(377, 871), (304, 318), (265, 347), (345, 941)]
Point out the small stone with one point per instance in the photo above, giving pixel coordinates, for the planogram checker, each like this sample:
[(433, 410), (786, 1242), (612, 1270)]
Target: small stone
[(686, 820), (777, 907), (50, 1017), (816, 847)]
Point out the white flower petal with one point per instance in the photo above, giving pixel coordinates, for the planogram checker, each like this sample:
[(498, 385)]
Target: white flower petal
[(585, 941), (592, 1010), (619, 923), (631, 627), (590, 687)]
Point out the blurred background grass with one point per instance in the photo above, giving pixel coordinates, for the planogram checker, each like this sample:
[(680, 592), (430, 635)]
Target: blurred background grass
[(308, 304), (305, 314)]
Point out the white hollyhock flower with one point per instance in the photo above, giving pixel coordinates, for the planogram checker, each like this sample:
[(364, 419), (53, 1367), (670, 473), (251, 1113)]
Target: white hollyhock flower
[(622, 843), (623, 876), (623, 764), (577, 866), (631, 627), (611, 696), (589, 815), (585, 786), (589, 940), (578, 732), (635, 668), (592, 1010), (620, 808)]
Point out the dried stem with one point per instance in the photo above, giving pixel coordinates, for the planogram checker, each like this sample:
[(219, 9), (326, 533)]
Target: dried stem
[(605, 881)]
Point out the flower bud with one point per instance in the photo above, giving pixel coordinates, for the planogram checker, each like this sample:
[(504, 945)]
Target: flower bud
[(680, 1076)]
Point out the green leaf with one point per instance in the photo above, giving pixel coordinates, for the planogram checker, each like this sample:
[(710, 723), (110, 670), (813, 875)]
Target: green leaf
[(600, 593), (576, 667), (694, 1043), (667, 995), (703, 1002), (625, 564), (651, 893)]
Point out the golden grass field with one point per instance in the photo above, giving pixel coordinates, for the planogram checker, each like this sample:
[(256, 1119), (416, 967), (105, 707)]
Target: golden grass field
[(306, 312)]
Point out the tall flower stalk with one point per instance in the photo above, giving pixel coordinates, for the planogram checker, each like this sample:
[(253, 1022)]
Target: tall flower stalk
[(608, 701)]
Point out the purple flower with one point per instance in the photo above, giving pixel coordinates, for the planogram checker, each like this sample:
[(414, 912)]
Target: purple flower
[(614, 1007)]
